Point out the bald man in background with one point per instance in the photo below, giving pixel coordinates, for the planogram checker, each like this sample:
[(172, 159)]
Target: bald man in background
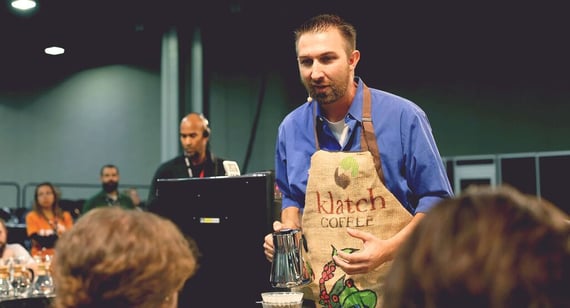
[(197, 159)]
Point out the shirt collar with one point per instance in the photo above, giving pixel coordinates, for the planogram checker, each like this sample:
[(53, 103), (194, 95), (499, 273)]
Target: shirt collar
[(355, 110)]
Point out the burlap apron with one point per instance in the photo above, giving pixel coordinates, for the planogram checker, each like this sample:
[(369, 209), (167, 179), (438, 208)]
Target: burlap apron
[(344, 189)]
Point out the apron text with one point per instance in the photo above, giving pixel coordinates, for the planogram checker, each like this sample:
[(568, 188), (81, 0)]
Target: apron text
[(329, 205)]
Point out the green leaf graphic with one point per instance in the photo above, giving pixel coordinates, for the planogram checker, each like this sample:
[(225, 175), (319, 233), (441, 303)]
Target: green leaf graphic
[(350, 164)]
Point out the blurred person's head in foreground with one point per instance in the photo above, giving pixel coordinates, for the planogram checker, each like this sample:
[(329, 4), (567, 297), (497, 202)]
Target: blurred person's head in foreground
[(488, 247), (115, 257)]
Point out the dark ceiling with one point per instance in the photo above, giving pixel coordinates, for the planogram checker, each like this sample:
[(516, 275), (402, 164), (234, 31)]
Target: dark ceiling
[(94, 33), (404, 42)]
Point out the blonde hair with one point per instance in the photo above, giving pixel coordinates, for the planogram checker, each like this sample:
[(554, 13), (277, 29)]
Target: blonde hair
[(115, 257)]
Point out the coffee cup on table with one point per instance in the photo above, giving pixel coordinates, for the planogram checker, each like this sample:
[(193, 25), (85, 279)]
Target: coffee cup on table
[(282, 299)]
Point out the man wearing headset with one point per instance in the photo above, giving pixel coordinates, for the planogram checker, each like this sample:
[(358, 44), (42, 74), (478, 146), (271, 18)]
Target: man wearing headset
[(197, 159)]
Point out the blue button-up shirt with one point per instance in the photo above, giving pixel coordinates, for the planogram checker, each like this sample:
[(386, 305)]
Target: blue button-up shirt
[(411, 163)]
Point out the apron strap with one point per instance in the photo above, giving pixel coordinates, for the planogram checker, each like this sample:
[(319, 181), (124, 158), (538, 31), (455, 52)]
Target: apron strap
[(368, 138), (317, 145)]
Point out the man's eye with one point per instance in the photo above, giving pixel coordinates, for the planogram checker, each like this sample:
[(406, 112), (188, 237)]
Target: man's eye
[(305, 62)]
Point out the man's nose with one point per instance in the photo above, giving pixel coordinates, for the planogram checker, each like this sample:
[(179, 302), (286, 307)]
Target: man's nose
[(316, 71)]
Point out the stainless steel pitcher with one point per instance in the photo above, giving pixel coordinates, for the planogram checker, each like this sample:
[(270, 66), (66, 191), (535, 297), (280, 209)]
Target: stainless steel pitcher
[(289, 267)]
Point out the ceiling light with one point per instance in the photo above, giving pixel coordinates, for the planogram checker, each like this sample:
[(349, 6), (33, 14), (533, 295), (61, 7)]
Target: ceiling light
[(23, 4), (54, 50)]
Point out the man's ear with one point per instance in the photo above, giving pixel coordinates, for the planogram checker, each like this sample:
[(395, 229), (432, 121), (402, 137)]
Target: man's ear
[(353, 59)]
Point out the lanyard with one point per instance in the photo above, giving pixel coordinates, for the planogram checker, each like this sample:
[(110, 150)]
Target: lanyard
[(189, 166)]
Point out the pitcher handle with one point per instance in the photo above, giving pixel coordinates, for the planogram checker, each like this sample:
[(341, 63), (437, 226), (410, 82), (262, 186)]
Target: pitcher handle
[(30, 273)]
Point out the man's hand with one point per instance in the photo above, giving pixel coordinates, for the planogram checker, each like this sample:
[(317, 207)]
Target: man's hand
[(374, 253), (290, 218), (268, 241)]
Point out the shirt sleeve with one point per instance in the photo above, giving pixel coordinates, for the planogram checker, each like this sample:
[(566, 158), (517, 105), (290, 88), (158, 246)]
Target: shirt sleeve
[(87, 206), (425, 172), (33, 224), (67, 220), (281, 171), (20, 252)]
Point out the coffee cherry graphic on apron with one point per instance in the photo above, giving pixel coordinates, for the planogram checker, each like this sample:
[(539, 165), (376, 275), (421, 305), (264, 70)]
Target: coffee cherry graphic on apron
[(344, 293), (348, 168)]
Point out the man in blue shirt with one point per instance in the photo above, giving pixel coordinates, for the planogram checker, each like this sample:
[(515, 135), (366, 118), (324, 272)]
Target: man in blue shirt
[(407, 161)]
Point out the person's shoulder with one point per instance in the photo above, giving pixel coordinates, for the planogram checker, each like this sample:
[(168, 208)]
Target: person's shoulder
[(301, 110), (215, 158), (394, 101), (218, 164), (67, 216), (179, 159), (18, 250), (91, 201), (15, 247), (32, 214), (125, 199), (93, 198), (169, 163), (387, 95), (96, 195), (299, 115)]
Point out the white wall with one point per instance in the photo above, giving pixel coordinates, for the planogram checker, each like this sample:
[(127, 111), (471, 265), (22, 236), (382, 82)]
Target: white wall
[(66, 133)]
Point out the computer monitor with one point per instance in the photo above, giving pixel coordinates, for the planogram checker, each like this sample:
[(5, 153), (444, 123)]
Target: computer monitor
[(228, 217)]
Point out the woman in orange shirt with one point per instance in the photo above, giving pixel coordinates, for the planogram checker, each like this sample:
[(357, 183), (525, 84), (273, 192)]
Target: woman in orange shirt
[(46, 221)]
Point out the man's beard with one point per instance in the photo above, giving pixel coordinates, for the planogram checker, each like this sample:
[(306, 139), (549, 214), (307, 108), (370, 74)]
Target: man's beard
[(2, 248), (327, 97), (110, 186)]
